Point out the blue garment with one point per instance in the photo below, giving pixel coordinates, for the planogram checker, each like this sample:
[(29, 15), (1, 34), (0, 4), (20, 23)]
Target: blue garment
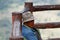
[(28, 33)]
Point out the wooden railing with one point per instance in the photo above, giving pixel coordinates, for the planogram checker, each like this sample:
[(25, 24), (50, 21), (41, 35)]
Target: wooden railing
[(32, 9), (43, 8)]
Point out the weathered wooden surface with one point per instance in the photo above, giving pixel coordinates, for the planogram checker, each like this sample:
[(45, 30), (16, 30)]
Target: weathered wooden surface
[(46, 7), (47, 25), (16, 16)]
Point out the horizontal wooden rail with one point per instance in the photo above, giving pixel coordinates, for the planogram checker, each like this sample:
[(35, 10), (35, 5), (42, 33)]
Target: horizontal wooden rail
[(47, 25), (46, 7), (29, 5)]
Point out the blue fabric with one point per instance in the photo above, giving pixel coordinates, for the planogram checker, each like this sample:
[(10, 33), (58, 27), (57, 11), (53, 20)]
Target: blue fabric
[(28, 33)]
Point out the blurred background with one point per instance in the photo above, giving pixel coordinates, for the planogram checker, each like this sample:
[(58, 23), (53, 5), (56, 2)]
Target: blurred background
[(9, 6)]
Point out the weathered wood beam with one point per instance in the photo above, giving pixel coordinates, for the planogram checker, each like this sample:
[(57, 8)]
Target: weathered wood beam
[(16, 16), (47, 25), (46, 7), (31, 8)]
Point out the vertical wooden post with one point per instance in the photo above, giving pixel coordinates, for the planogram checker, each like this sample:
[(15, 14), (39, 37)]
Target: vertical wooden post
[(29, 5), (16, 26)]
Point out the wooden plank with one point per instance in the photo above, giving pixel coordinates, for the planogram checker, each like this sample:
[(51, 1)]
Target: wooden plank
[(47, 25), (46, 7), (29, 5)]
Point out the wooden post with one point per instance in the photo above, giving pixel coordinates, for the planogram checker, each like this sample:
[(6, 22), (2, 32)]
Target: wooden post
[(16, 26), (29, 5)]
